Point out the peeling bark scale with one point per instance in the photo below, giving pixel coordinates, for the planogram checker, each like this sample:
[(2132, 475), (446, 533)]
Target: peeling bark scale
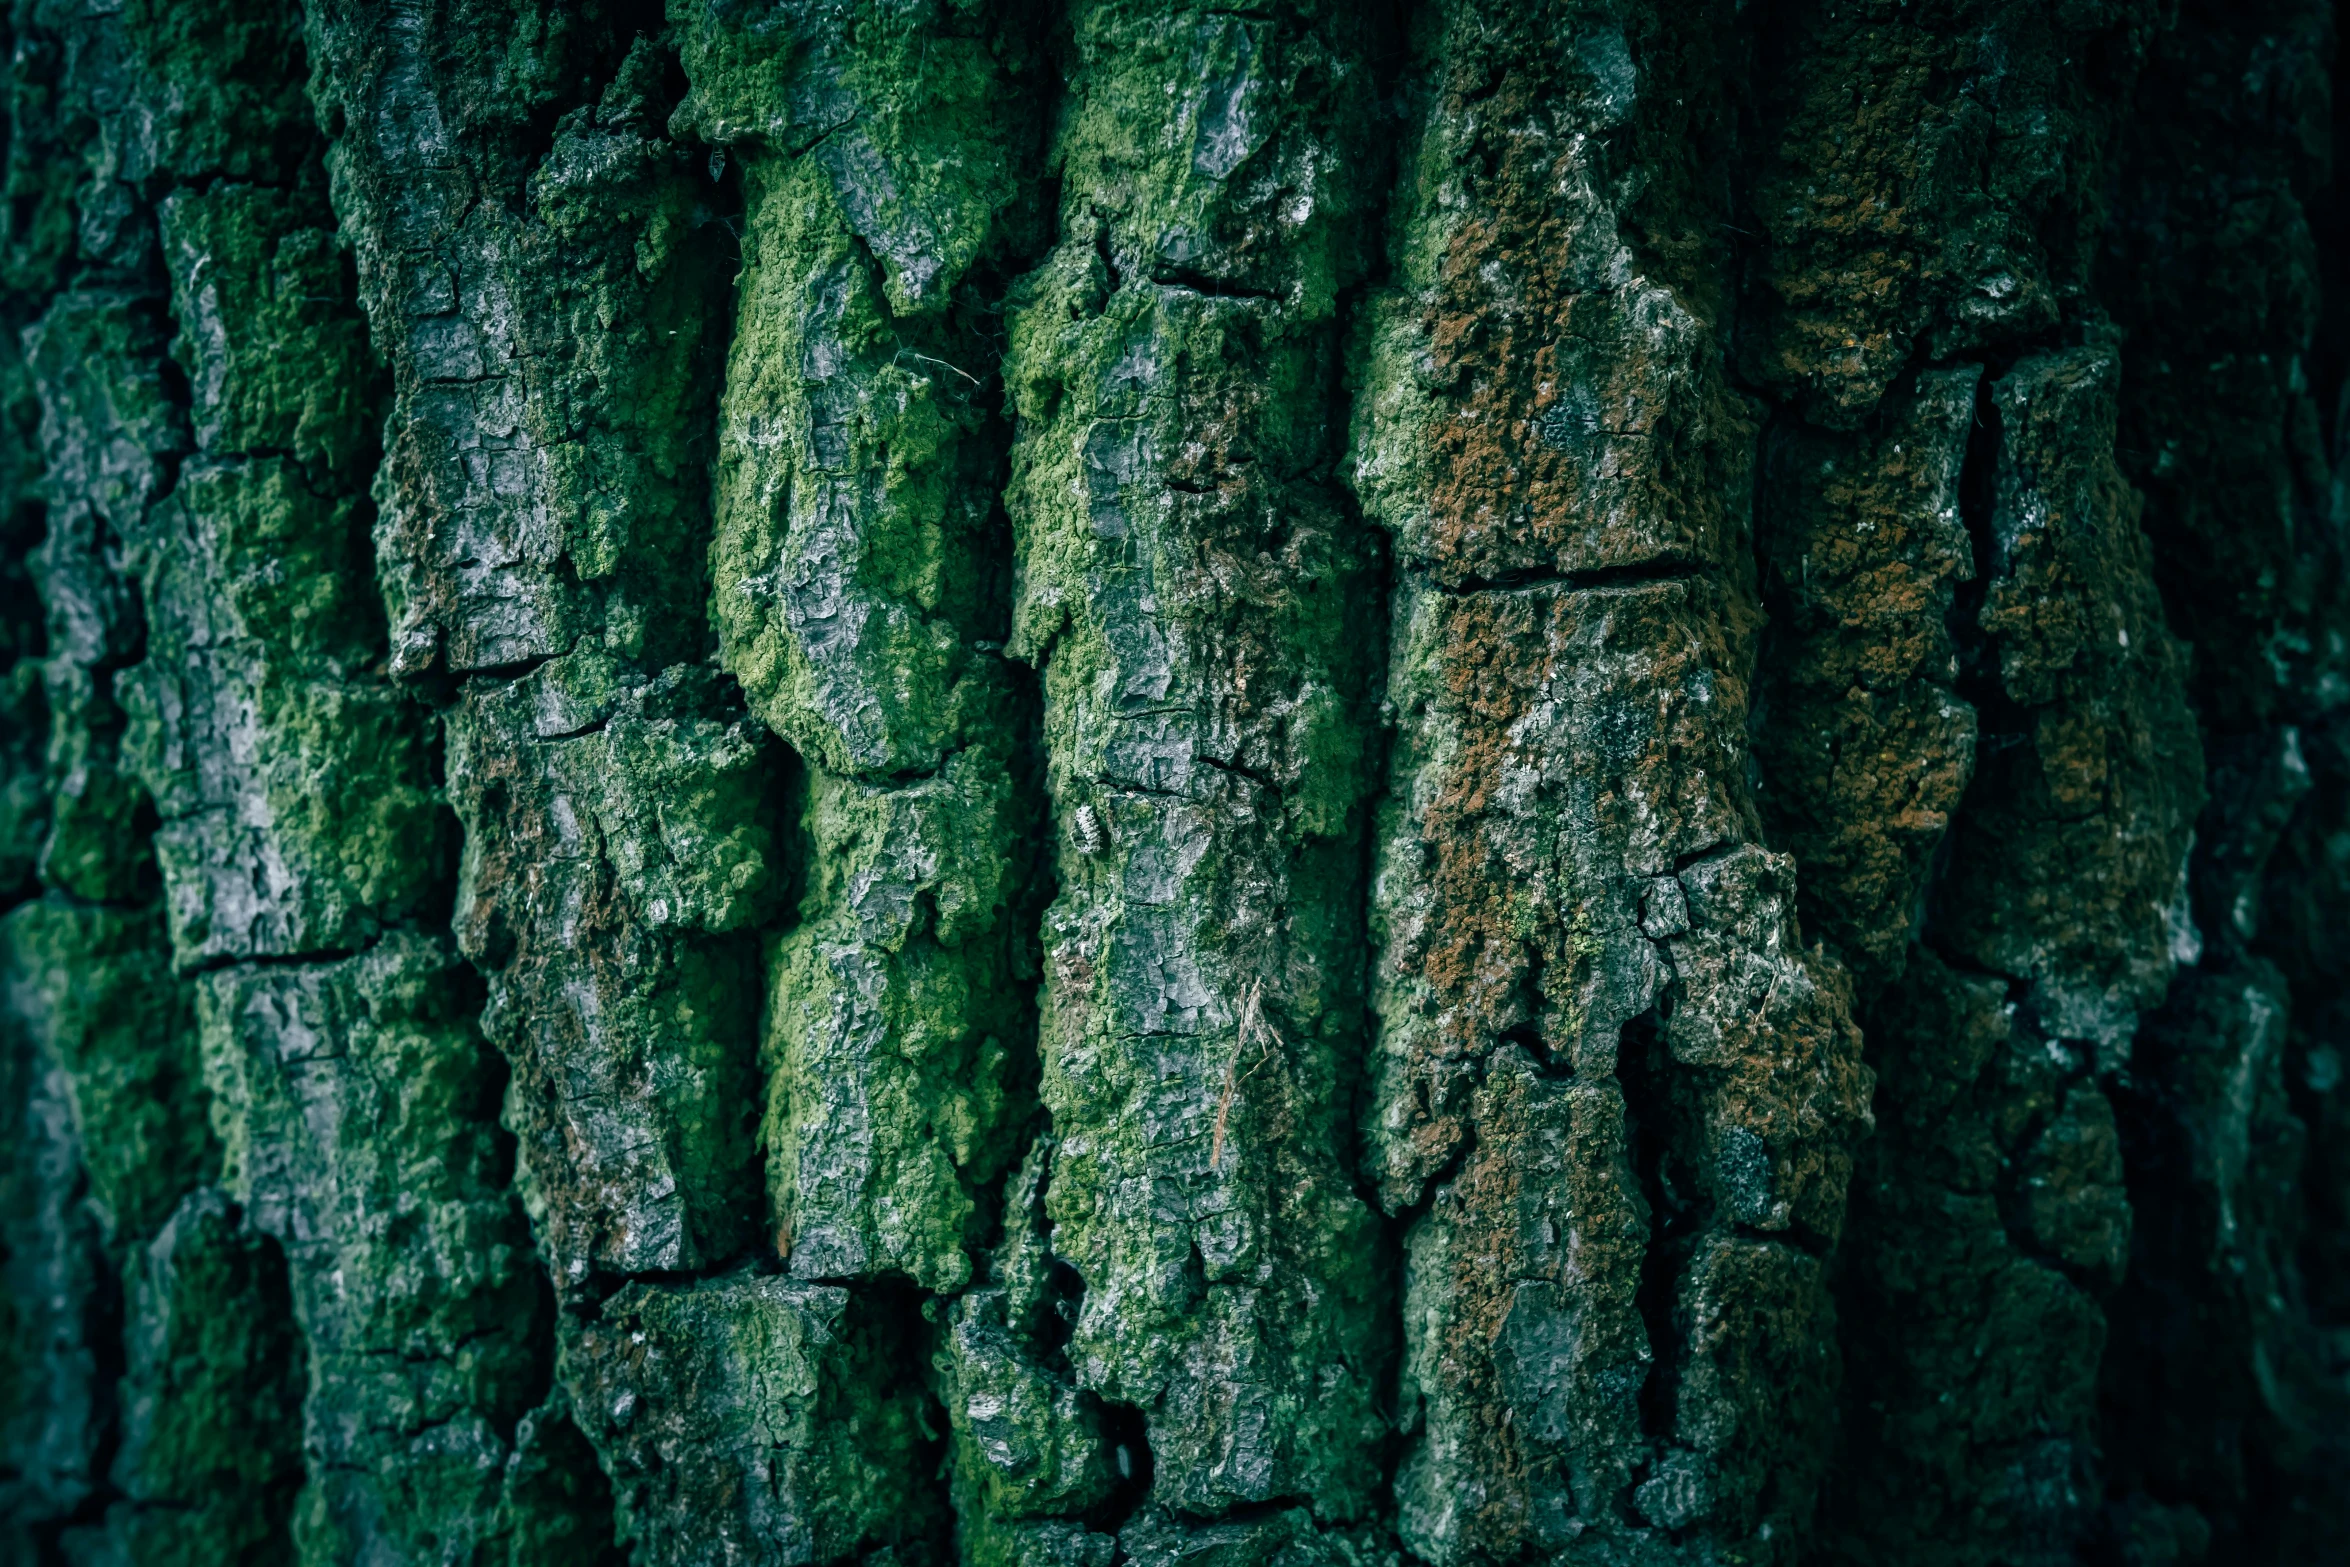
[(1044, 783)]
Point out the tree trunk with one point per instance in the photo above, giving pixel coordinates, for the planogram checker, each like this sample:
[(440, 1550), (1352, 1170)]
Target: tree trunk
[(1048, 783)]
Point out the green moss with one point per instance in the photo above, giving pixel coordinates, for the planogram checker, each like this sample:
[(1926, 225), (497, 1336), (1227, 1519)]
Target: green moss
[(896, 1025), (1599, 1074), (296, 794), (857, 592), (219, 97), (358, 1105), (624, 265), (522, 511), (620, 850), (857, 482), (250, 551), (108, 425), (94, 986), (274, 349), (1031, 1454), (1188, 133), (295, 790), (107, 415), (1196, 596), (844, 586), (211, 1399), (95, 850), (202, 1419), (756, 1416), (899, 107)]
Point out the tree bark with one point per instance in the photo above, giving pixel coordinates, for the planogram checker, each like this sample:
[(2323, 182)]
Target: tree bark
[(1053, 782)]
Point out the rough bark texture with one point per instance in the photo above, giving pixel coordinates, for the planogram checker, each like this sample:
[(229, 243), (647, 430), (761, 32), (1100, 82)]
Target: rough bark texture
[(1056, 782)]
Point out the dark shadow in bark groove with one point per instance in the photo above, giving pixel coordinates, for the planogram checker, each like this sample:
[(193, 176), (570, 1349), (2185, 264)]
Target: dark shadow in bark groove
[(1999, 719), (102, 1330), (1676, 1213), (1127, 1429)]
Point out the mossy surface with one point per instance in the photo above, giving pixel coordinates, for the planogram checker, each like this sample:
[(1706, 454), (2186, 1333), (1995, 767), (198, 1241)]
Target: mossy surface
[(1194, 590), (611, 885), (357, 1105), (211, 412), (95, 986), (211, 1391), (1613, 1092), (541, 265), (688, 1391), (858, 593), (897, 1028), (1058, 782), (177, 1435)]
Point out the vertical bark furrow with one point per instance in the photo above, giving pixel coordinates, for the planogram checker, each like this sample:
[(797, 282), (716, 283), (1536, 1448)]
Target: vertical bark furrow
[(887, 159), (2095, 767), (298, 815), (1864, 744), (756, 1418), (1955, 729), (1042, 1472), (1197, 597), (50, 1400), (545, 271), (167, 1309), (2225, 1393), (857, 592), (1129, 834), (53, 1385), (1572, 901), (358, 1102), (545, 268), (1995, 1208)]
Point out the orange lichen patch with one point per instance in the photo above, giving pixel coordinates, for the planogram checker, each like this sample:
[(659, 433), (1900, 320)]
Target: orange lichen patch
[(1569, 432), (1852, 208), (1575, 416), (1525, 1277), (1868, 750), (1476, 954), (1928, 183), (1569, 713), (1568, 749), (1862, 786), (1545, 401)]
